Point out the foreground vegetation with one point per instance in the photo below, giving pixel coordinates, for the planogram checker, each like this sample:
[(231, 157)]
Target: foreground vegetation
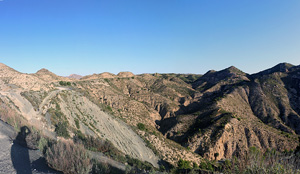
[(256, 162)]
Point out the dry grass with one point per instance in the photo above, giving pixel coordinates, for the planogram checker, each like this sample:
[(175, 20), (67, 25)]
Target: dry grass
[(272, 162), (69, 158), (10, 116)]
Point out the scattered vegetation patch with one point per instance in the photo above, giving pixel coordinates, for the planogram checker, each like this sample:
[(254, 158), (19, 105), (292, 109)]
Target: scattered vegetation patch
[(271, 161), (34, 97), (108, 108), (207, 165), (61, 129), (184, 164), (138, 163), (104, 168), (77, 123), (97, 144), (56, 115), (63, 83)]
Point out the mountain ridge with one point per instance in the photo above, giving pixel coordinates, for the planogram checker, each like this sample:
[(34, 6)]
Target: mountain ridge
[(186, 116)]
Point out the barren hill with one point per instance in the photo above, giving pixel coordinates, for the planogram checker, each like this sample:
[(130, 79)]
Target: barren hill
[(46, 109), (96, 76), (11, 77), (223, 112), (125, 74), (48, 76), (188, 116)]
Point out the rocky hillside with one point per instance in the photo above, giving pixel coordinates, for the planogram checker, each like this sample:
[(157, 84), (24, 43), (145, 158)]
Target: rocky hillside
[(236, 110), (177, 116)]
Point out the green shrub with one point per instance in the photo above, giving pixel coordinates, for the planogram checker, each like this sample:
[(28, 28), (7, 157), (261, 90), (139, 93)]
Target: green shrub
[(162, 168), (195, 165), (216, 155), (183, 164), (138, 163), (155, 133), (79, 136), (63, 83), (108, 109), (141, 126), (61, 129), (43, 144), (206, 165), (77, 123)]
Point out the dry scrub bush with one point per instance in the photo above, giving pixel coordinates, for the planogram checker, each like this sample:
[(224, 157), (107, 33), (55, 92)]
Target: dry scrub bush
[(69, 158), (96, 144), (101, 168), (265, 163), (10, 116)]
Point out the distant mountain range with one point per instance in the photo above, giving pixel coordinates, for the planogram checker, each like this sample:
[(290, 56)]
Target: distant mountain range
[(187, 116), (75, 76)]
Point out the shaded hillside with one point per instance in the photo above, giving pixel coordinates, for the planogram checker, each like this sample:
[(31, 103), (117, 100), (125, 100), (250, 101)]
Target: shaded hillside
[(186, 116), (202, 114), (237, 111)]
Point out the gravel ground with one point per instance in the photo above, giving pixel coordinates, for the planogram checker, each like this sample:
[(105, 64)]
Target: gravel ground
[(16, 159)]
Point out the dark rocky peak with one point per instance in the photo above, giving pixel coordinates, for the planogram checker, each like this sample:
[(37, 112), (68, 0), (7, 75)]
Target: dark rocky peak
[(209, 72), (295, 69), (225, 73), (212, 77), (281, 67), (234, 70)]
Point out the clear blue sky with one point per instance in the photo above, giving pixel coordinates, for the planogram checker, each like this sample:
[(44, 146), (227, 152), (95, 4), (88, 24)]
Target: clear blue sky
[(147, 36)]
